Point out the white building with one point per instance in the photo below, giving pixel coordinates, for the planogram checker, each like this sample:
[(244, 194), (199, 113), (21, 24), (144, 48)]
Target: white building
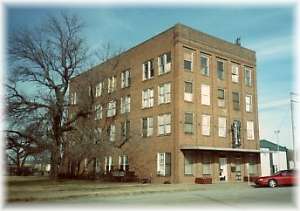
[(273, 158)]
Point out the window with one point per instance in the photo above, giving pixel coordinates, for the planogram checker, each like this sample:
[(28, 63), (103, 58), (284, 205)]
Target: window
[(188, 123), (188, 61), (148, 70), (164, 91), (248, 77), (125, 79), (73, 98), (204, 60), (98, 112), (112, 132), (148, 98), (123, 163), (98, 135), (236, 100), (111, 85), (164, 124), (206, 167), (220, 70), (205, 94), (90, 91), (98, 89), (147, 126), (222, 127), (163, 164), (164, 63), (252, 167), (235, 73), (205, 125), (188, 91), (188, 165), (108, 163), (111, 111), (221, 97), (125, 104), (250, 130), (248, 100), (125, 128)]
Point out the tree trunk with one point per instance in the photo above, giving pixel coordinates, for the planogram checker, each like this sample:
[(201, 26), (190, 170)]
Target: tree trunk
[(54, 162)]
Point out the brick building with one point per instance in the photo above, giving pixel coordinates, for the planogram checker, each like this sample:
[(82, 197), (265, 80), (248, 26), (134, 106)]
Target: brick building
[(182, 105)]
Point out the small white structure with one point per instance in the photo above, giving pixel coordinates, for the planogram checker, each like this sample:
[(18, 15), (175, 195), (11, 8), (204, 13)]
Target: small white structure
[(273, 158)]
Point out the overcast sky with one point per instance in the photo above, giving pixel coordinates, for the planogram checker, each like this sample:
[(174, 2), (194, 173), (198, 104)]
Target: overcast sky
[(267, 30)]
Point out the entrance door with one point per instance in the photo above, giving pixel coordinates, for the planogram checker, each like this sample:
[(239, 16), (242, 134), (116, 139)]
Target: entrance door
[(223, 169)]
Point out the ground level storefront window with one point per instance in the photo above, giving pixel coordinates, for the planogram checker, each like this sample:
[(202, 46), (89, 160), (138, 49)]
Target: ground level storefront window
[(188, 165)]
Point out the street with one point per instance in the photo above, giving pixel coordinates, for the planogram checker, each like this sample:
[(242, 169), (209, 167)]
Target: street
[(228, 195)]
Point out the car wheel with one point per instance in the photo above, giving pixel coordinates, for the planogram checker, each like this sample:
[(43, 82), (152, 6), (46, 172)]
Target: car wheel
[(272, 183)]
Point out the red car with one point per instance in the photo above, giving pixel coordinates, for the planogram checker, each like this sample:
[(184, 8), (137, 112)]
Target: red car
[(280, 178)]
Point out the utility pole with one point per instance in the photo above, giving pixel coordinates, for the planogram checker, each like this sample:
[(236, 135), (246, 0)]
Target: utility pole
[(293, 124), (277, 140)]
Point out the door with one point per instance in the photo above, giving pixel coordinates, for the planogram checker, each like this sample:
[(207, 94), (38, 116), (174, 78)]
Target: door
[(223, 169)]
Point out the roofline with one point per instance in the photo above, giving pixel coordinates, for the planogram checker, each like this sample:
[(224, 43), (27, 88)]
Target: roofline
[(157, 35)]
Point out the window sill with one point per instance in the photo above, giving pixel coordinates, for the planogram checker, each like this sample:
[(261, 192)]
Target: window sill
[(188, 133), (164, 103), (165, 73), (162, 135), (188, 175), (148, 79)]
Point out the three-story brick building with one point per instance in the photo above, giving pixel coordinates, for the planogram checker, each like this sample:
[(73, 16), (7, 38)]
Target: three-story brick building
[(182, 105)]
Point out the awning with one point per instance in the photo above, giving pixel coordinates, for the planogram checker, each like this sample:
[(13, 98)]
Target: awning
[(197, 147)]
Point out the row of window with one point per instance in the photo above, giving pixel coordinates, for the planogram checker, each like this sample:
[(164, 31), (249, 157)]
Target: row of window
[(123, 164), (205, 63), (205, 96), (164, 127), (207, 166), (163, 164), (206, 125)]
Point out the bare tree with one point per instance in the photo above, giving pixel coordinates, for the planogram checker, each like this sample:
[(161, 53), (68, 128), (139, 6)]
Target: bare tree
[(43, 60)]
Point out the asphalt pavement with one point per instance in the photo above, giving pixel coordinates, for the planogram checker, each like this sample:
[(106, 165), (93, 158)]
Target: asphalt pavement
[(225, 195)]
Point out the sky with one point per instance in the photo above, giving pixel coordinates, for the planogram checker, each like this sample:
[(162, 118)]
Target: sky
[(270, 31)]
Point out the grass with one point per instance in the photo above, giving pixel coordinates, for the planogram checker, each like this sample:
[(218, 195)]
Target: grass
[(42, 189)]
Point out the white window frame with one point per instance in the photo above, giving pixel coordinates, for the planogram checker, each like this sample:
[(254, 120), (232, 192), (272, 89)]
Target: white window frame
[(73, 98), (150, 69), (123, 162), (188, 124), (125, 79), (235, 73), (163, 65), (188, 96), (221, 102), (222, 127), (186, 58), (250, 130), (98, 88), (111, 108), (223, 75), (205, 73), (246, 71), (161, 164), (249, 103), (150, 126), (205, 94), (98, 112), (164, 93), (112, 133), (164, 124), (111, 84), (125, 104), (205, 125), (148, 98)]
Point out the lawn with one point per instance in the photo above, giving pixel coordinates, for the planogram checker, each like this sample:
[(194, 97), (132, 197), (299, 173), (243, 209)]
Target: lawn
[(42, 189)]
